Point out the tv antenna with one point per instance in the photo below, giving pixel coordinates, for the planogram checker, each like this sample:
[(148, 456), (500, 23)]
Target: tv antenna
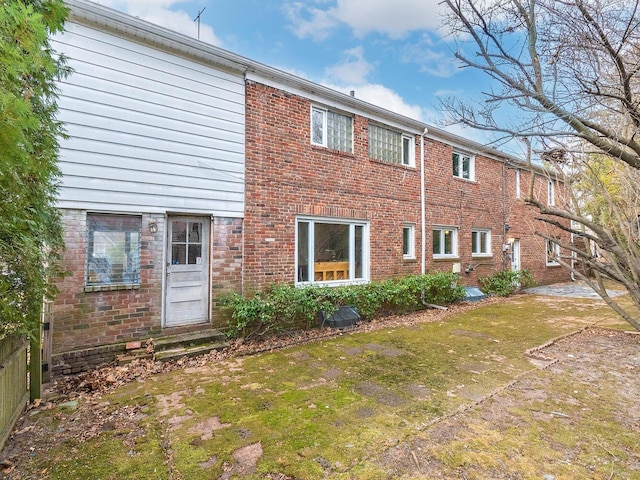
[(197, 19)]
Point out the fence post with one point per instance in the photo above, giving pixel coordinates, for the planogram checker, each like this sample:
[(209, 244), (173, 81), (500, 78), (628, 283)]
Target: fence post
[(47, 340), (35, 365)]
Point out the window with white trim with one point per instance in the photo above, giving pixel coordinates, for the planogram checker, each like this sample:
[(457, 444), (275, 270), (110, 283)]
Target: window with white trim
[(331, 129), (517, 183), (553, 253), (391, 146), (551, 193), (445, 242), (408, 242), (463, 166), (113, 249), (481, 242), (330, 250)]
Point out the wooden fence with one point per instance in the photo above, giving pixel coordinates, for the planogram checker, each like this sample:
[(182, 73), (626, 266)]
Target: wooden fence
[(14, 391)]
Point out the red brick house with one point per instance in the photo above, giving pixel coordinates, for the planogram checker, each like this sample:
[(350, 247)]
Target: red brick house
[(191, 171)]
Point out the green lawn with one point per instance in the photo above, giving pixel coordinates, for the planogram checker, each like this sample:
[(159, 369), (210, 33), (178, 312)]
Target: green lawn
[(335, 408)]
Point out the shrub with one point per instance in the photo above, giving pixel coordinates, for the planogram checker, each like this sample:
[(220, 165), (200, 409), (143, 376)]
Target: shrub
[(506, 282), (283, 307)]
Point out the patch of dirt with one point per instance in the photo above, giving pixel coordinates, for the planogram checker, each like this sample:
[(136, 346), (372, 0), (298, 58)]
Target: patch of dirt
[(246, 460), (594, 357)]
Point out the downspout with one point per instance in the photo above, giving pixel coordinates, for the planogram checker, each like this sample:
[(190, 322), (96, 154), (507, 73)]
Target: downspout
[(423, 210)]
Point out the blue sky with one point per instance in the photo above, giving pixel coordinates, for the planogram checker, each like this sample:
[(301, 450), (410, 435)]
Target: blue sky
[(391, 53)]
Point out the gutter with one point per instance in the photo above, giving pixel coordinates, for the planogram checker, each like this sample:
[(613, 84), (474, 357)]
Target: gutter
[(423, 208)]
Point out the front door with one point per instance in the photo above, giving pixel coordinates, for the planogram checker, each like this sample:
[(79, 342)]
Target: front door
[(187, 284), (515, 255)]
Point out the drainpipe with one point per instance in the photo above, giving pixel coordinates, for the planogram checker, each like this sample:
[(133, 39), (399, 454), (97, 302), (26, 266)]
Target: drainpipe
[(423, 211)]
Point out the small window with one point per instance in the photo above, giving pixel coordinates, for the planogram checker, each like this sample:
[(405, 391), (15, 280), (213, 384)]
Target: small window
[(463, 166), (445, 242), (481, 243), (517, 183), (551, 193), (553, 253), (391, 146), (408, 242), (332, 130), (113, 249)]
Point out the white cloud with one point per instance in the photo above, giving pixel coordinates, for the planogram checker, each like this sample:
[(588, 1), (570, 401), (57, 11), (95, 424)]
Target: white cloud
[(353, 69), (441, 64), (157, 12), (384, 97), (394, 19)]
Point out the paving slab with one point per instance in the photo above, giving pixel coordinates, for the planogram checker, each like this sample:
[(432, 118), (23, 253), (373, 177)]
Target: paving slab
[(577, 289)]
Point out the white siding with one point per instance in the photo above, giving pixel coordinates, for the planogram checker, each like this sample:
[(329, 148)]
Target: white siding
[(149, 131)]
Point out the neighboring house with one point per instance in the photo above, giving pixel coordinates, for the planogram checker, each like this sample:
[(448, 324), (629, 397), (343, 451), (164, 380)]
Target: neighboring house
[(190, 171)]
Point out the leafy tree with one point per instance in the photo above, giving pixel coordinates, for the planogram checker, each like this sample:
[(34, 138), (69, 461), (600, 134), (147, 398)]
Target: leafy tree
[(30, 229), (567, 73)]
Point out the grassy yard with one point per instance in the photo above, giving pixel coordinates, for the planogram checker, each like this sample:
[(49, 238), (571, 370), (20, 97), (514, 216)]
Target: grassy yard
[(450, 399)]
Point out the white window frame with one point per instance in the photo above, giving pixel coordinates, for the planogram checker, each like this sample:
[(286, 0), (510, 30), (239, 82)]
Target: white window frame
[(441, 231), (407, 147), (311, 221), (518, 194), (487, 233), (409, 233), (552, 248), (551, 192), (324, 112), (458, 157)]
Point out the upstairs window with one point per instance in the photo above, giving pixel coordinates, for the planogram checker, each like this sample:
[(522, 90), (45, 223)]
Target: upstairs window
[(517, 183), (445, 242), (113, 249), (331, 129), (551, 193), (481, 243), (391, 146), (463, 166)]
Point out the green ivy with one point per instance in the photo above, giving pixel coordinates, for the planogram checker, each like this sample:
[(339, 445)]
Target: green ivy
[(506, 282), (284, 307)]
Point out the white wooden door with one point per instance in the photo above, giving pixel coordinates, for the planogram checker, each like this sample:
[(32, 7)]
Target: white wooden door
[(515, 255), (187, 284)]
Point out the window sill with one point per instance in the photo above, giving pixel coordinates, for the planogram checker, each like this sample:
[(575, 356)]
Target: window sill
[(446, 259), (333, 151), (392, 164), (409, 259), (481, 255), (553, 265), (113, 287), (466, 180), (332, 283)]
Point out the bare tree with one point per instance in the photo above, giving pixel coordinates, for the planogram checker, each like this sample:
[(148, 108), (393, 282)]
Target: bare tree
[(567, 73)]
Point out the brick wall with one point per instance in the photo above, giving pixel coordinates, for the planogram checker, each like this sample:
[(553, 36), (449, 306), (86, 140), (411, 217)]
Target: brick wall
[(226, 262), (287, 176), (91, 327)]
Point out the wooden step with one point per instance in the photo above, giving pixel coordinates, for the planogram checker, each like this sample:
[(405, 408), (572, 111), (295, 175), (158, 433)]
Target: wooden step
[(187, 340), (188, 351)]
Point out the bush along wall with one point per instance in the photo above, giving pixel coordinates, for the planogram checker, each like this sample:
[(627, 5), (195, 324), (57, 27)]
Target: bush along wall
[(284, 307), (506, 282)]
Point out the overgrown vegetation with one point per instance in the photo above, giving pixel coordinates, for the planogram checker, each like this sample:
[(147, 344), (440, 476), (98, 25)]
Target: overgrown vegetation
[(30, 230), (285, 307), (506, 282)]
